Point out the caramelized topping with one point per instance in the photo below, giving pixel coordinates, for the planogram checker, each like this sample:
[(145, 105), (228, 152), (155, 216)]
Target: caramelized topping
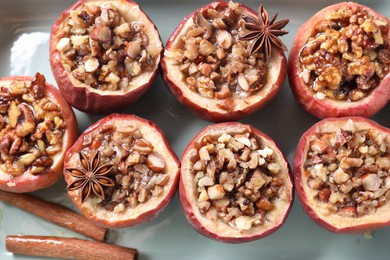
[(31, 127), (347, 56)]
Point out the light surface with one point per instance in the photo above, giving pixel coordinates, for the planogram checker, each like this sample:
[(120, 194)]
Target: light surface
[(24, 49)]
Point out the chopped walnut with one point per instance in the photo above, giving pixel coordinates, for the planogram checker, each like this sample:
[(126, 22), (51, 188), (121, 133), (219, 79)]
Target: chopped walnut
[(139, 172), (32, 127), (355, 178), (347, 55), (100, 48), (214, 60), (237, 179)]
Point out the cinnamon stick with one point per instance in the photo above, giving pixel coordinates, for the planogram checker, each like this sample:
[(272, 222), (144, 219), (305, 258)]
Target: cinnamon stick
[(68, 248), (54, 213)]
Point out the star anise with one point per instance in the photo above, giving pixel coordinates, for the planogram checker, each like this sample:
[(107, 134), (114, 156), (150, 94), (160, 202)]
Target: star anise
[(89, 176), (264, 32)]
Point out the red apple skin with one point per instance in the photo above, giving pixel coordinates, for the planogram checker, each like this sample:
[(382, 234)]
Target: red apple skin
[(145, 216), (299, 159), (365, 107), (30, 182), (215, 116), (187, 206), (80, 96)]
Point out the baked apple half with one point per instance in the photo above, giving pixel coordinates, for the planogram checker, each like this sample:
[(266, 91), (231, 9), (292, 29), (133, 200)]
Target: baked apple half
[(104, 54), (224, 61), (342, 174), (339, 62), (121, 171), (235, 184), (37, 126)]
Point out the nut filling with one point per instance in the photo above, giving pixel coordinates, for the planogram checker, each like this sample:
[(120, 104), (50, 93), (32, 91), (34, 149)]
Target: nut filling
[(350, 171), (138, 172), (31, 127), (215, 62), (347, 56), (101, 49), (237, 180)]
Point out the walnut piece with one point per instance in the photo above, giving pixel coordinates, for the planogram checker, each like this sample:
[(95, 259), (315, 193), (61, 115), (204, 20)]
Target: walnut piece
[(214, 60), (350, 170), (139, 172), (100, 48), (32, 127), (236, 179), (347, 56)]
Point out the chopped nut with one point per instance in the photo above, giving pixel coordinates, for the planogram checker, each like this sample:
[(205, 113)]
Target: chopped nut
[(162, 179), (26, 159), (232, 189), (214, 40), (206, 48), (274, 168), (155, 162), (51, 150), (319, 146), (119, 208), (216, 192), (324, 194), (257, 181), (204, 196), (205, 69), (371, 182), (348, 211), (357, 175), (133, 49), (77, 40), (204, 154), (142, 195), (121, 48), (133, 158), (133, 67), (201, 21), (122, 30), (224, 39), (13, 114), (329, 75), (242, 82), (265, 204), (143, 146), (91, 65), (101, 34), (26, 121), (196, 32), (266, 152), (158, 190), (63, 45), (206, 181), (340, 176)]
